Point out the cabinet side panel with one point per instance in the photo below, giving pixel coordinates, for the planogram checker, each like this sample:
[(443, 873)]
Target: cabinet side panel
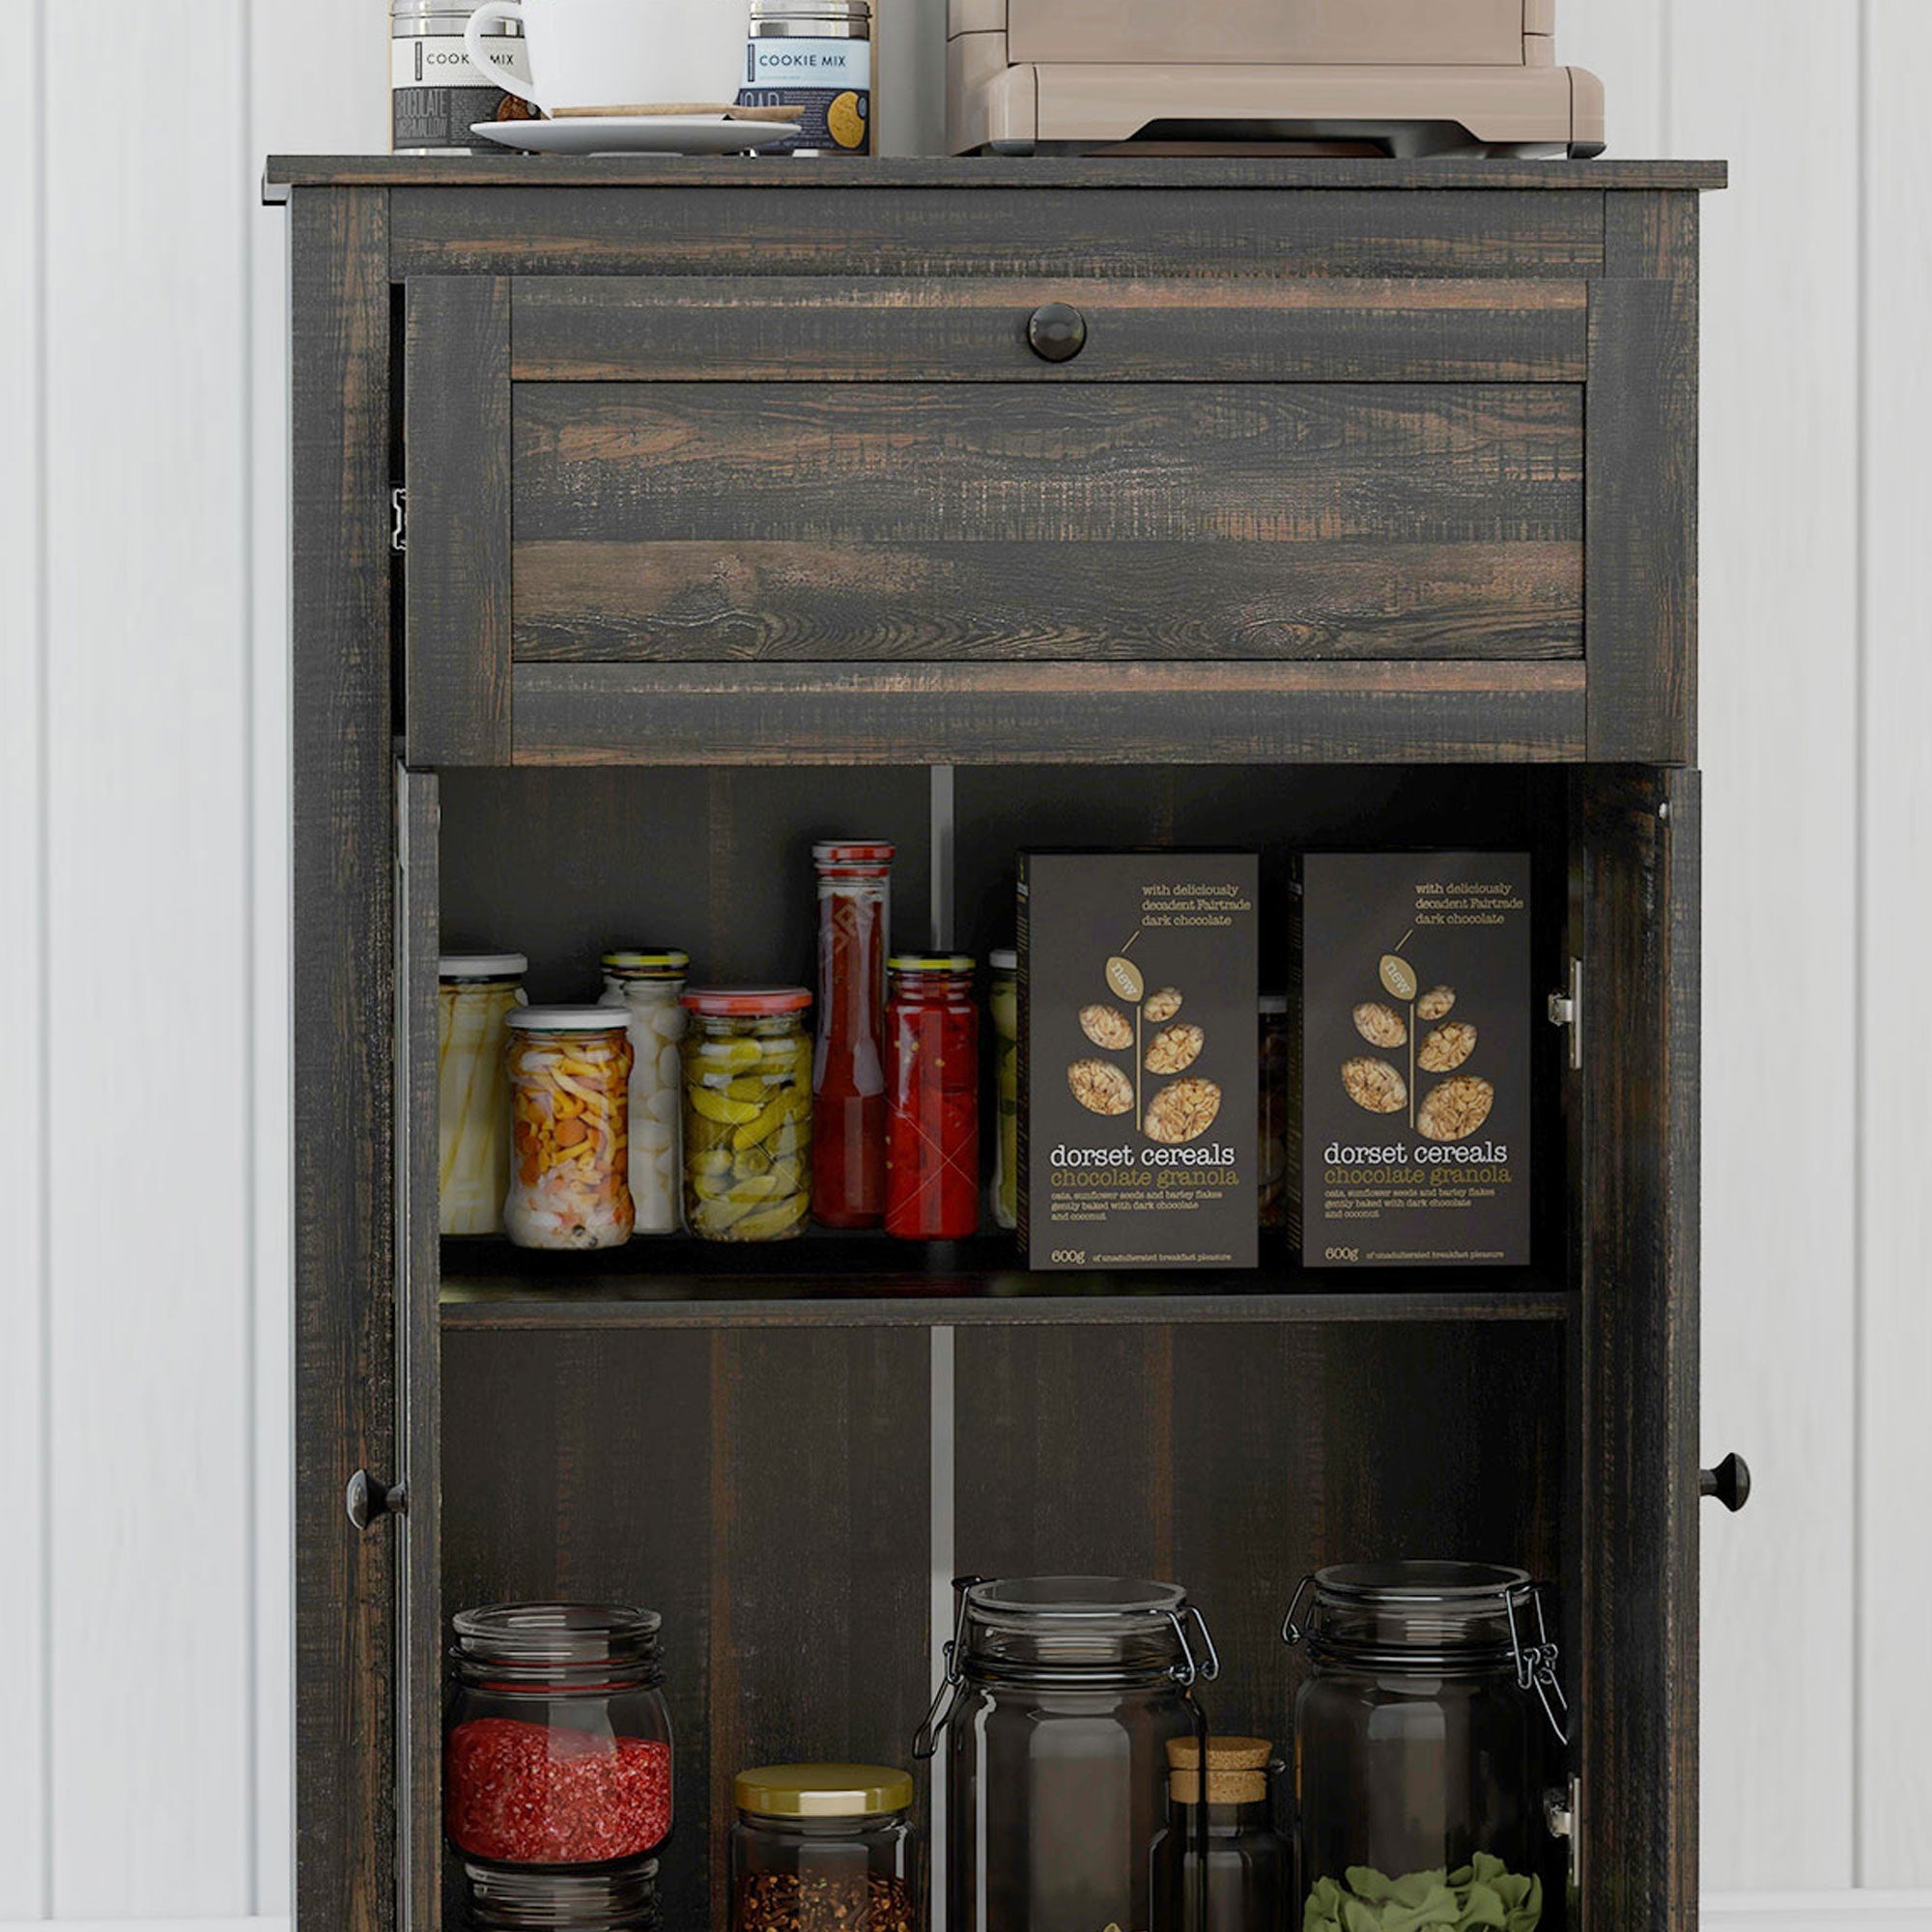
[(344, 1000)]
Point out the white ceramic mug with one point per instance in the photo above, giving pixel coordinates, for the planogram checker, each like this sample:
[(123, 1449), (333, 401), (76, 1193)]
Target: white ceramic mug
[(621, 53)]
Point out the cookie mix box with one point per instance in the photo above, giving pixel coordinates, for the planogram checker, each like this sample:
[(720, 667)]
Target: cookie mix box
[(1410, 1009), (1138, 1124)]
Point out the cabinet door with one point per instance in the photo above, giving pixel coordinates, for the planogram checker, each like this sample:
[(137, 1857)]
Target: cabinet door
[(1637, 1222)]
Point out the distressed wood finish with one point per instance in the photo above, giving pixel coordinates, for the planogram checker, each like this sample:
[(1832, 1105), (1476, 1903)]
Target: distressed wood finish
[(815, 329), (764, 1491), (342, 1077), (1639, 1487), (456, 408), (862, 714)]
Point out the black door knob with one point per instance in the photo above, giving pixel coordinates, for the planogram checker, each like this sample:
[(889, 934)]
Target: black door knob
[(1057, 333), (369, 1498), (1729, 1482)]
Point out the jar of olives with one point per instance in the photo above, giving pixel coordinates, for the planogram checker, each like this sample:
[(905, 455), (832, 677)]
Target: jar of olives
[(747, 1112)]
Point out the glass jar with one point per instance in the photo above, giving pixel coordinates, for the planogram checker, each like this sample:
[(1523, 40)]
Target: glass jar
[(1003, 1002), (823, 1848), (1415, 1746), (1061, 1697), (848, 1071), (558, 1747), (815, 55), (474, 995), (570, 1078), (647, 985), (932, 1098), (747, 1113), (525, 1900), (1272, 1181), (1220, 1866)]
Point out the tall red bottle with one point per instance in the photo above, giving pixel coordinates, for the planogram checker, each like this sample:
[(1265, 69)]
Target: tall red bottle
[(849, 1072)]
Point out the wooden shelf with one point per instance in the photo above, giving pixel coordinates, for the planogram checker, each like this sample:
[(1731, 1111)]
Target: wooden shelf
[(866, 1281)]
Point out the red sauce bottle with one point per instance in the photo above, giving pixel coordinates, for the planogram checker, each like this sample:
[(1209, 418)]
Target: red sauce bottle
[(849, 1072), (932, 1089)]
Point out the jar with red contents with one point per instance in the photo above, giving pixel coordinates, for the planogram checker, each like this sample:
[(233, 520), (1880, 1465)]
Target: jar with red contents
[(848, 1074), (558, 1748), (932, 1095)]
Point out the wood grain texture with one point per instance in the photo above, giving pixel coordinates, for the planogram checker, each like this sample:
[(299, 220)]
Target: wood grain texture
[(1116, 599), (343, 1077), (456, 404), (863, 714), (765, 1491), (814, 328), (1637, 1708), (1069, 224)]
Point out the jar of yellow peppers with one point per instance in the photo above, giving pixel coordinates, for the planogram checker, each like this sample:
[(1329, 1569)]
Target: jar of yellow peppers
[(747, 1113), (570, 1074)]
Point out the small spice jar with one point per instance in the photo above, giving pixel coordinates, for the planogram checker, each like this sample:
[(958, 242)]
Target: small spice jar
[(815, 55), (570, 1077), (525, 1900), (1003, 1003), (646, 984), (747, 1112), (558, 1748), (823, 1848), (932, 1097), (475, 994), (1271, 1181), (1220, 1865)]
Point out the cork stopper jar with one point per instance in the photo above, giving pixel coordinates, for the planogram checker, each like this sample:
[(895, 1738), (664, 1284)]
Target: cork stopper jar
[(1220, 1865)]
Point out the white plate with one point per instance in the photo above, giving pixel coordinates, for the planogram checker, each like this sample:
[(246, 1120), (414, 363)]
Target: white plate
[(635, 134)]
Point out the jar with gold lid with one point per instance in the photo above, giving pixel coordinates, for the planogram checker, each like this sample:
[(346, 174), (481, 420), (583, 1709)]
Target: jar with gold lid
[(824, 1847)]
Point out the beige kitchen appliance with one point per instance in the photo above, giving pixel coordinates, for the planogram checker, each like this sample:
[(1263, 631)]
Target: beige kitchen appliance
[(1406, 78)]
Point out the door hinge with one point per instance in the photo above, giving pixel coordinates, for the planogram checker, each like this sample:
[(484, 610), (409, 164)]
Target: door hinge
[(399, 520), (1566, 1010), (1563, 1813)]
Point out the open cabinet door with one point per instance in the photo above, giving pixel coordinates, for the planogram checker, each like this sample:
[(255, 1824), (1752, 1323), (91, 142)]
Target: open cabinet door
[(1636, 920), (419, 1383)]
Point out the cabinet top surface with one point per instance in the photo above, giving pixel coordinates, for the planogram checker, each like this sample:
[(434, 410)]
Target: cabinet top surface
[(284, 172)]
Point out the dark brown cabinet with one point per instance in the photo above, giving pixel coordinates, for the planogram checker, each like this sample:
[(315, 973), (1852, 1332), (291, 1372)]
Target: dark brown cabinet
[(1276, 505)]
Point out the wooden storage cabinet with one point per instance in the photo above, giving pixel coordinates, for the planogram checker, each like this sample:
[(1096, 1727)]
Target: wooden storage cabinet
[(740, 510)]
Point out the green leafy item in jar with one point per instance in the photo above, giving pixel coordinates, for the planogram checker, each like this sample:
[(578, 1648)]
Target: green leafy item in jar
[(1485, 1892)]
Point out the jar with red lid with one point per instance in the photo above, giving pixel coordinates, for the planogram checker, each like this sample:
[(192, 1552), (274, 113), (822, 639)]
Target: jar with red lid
[(848, 1073), (558, 1748), (932, 1098), (748, 1122)]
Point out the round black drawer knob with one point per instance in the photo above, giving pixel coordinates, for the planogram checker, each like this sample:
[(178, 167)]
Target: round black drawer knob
[(1057, 333), (369, 1499), (1729, 1483)]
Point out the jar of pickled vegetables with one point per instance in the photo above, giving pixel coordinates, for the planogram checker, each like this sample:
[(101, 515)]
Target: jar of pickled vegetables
[(747, 1112), (475, 994), (1002, 1001), (932, 1098), (1272, 1185), (570, 1075), (647, 985)]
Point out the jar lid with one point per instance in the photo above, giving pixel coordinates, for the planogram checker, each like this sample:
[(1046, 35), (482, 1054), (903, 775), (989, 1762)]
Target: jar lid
[(533, 1645), (482, 966), (822, 1790), (1004, 959), (930, 962), (811, 9), (1275, 1003), (568, 1019), (1415, 1612), (744, 1002), (1098, 1625), (665, 959), (862, 858), (1223, 1754)]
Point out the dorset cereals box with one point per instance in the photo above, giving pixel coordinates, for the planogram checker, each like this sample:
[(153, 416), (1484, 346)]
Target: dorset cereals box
[(1414, 987), (1138, 1061)]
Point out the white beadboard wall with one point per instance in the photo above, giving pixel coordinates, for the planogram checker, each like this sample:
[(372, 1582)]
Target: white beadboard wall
[(144, 1386)]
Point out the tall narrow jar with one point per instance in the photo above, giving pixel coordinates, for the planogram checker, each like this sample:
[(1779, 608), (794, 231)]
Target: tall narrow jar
[(646, 984), (475, 994), (1003, 1002), (848, 1069), (932, 1098)]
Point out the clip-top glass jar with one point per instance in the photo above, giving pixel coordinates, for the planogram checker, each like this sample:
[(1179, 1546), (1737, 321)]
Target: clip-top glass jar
[(474, 995), (824, 1848), (569, 1080), (1060, 1696), (1221, 1869), (524, 1900), (558, 1747), (1416, 1742), (1003, 1002), (932, 1098), (646, 984), (848, 1073), (747, 1112)]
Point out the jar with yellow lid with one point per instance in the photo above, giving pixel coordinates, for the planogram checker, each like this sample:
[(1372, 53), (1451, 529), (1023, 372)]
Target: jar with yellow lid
[(1220, 1865), (824, 1847)]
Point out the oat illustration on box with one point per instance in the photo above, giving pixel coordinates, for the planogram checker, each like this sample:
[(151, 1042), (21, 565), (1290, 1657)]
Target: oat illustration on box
[(1181, 1111), (1451, 1110)]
